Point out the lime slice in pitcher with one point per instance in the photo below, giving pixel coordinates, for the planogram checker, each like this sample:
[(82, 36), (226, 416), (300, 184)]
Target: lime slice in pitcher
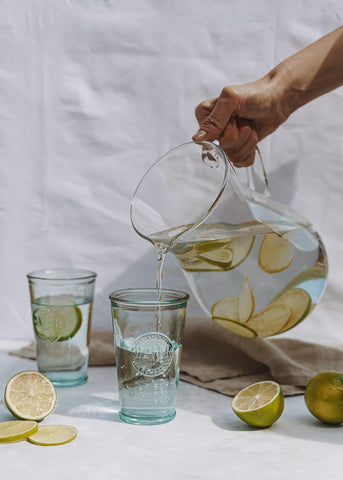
[(276, 253), (226, 309), (271, 320), (221, 258), (55, 322), (235, 327), (299, 301)]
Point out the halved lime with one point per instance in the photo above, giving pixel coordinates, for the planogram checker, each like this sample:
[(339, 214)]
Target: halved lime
[(276, 253), (300, 303), (17, 430), (226, 309), (238, 328), (271, 320), (30, 395), (50, 435), (259, 404), (246, 302), (55, 322)]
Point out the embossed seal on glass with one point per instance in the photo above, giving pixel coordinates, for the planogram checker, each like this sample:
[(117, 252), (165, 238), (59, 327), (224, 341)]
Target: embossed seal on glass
[(153, 354)]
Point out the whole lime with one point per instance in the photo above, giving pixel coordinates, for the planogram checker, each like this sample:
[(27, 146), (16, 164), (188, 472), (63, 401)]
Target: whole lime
[(324, 397)]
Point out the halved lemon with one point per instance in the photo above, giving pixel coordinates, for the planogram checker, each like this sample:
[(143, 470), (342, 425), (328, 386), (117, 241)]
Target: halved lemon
[(238, 328), (276, 253), (30, 395), (246, 302), (50, 435), (259, 404), (300, 303), (271, 320), (17, 430), (55, 322)]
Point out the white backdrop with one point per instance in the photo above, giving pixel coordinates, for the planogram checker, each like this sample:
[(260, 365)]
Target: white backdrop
[(93, 91)]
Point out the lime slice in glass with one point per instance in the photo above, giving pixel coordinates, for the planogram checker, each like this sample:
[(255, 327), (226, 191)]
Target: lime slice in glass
[(17, 430), (50, 435), (259, 404), (56, 323), (30, 395)]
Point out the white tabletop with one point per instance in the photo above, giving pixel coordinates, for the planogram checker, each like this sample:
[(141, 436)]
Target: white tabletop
[(204, 441)]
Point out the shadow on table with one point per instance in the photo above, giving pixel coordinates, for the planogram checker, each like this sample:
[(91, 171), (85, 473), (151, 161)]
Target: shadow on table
[(93, 405), (301, 426)]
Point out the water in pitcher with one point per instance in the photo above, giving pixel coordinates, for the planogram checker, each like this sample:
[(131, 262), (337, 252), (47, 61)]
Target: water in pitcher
[(253, 279)]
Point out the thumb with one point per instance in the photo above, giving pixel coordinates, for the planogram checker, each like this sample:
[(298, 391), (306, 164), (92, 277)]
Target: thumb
[(214, 124)]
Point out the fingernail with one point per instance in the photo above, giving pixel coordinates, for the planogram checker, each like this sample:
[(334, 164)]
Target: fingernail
[(200, 135)]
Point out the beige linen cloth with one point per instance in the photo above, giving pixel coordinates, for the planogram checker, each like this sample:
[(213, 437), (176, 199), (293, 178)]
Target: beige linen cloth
[(218, 360)]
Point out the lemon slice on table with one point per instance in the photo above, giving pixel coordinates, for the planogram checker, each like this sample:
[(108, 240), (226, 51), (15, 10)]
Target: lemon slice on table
[(17, 430), (271, 320), (276, 253), (300, 303), (50, 435), (236, 327), (259, 404), (56, 323), (30, 395)]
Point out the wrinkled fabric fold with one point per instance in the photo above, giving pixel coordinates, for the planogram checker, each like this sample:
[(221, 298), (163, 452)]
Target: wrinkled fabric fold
[(218, 360)]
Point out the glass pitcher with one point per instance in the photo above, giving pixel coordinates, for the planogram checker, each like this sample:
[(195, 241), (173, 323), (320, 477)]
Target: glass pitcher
[(255, 266)]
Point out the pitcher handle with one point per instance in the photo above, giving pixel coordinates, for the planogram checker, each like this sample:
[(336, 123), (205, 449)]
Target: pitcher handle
[(250, 171)]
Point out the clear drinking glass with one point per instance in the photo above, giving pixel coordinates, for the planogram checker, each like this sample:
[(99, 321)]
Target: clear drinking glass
[(148, 327), (61, 303)]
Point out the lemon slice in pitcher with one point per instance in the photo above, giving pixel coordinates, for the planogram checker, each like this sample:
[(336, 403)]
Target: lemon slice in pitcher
[(276, 253), (50, 435), (17, 430), (259, 404), (30, 395), (55, 322)]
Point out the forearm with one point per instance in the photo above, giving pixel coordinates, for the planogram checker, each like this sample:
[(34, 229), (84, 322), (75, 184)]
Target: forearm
[(310, 73)]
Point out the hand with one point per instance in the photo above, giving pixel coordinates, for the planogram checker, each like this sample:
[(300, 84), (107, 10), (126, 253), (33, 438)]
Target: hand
[(240, 117)]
